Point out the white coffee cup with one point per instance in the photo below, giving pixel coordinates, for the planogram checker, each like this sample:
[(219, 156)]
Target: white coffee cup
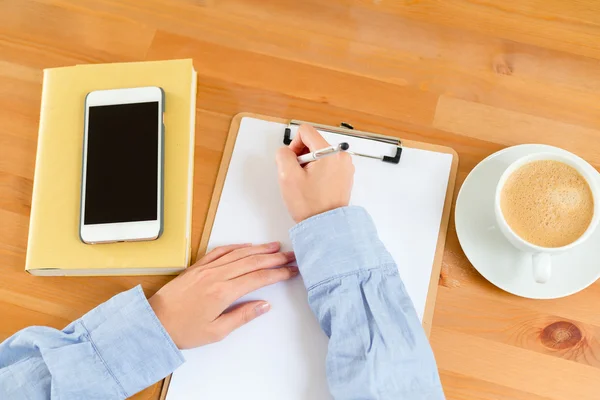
[(541, 256)]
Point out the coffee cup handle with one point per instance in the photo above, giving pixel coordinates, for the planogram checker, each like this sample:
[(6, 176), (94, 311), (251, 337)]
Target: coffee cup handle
[(542, 267)]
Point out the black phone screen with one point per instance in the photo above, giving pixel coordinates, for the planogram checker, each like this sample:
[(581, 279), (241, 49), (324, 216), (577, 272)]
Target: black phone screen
[(121, 179)]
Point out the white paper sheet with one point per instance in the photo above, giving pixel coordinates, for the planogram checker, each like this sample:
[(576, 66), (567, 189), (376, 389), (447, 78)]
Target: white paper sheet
[(281, 355)]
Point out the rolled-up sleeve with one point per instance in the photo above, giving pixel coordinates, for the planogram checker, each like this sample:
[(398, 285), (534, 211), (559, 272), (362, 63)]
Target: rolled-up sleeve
[(112, 352), (377, 346)]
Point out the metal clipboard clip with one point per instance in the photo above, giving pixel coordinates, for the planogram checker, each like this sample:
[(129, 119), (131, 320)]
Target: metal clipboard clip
[(348, 130)]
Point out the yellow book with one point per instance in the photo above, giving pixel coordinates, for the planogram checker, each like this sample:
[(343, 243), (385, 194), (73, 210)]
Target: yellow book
[(54, 246)]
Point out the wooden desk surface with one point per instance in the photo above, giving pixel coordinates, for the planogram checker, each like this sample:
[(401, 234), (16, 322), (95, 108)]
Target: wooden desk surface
[(473, 75)]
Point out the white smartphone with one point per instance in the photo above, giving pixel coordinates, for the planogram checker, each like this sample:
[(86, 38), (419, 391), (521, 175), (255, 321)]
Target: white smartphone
[(122, 174)]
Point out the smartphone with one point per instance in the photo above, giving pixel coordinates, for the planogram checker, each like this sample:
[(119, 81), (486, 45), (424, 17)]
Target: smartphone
[(122, 174)]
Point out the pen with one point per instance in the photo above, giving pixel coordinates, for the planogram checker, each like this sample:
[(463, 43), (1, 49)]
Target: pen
[(327, 151)]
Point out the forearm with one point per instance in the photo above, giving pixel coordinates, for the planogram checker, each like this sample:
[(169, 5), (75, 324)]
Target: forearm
[(114, 351), (377, 347)]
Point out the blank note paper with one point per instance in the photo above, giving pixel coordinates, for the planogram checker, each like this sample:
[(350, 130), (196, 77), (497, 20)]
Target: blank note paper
[(281, 355)]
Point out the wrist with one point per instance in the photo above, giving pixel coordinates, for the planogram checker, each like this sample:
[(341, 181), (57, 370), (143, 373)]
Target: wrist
[(309, 213)]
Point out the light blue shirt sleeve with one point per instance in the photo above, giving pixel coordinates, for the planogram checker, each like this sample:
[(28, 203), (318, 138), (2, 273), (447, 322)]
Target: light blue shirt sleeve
[(112, 352), (377, 347)]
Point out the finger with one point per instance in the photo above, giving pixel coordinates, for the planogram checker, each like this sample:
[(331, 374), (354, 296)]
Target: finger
[(219, 252), (307, 136), (241, 253), (287, 163), (239, 316), (257, 262), (245, 284)]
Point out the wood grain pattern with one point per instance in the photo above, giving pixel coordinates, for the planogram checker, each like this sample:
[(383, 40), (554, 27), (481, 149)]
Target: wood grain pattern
[(474, 75), (492, 123)]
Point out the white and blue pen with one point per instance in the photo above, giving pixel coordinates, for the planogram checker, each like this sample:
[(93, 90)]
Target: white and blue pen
[(327, 151)]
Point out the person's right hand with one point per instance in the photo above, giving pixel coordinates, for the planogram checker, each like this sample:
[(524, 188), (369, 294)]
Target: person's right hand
[(321, 185)]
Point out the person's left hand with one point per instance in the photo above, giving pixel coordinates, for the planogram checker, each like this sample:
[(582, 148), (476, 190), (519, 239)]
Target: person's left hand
[(193, 306)]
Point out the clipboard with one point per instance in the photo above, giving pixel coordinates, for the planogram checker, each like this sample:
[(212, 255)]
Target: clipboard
[(348, 130)]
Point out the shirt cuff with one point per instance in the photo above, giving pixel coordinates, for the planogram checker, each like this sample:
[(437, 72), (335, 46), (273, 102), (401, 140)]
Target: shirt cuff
[(357, 246), (132, 343)]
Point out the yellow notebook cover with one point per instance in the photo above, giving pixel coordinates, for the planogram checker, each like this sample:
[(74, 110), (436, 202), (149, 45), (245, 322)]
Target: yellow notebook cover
[(54, 247)]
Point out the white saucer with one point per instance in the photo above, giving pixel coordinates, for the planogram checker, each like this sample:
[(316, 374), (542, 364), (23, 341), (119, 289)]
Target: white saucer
[(496, 259)]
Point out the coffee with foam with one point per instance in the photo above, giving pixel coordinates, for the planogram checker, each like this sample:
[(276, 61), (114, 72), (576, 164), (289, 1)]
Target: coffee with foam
[(547, 203)]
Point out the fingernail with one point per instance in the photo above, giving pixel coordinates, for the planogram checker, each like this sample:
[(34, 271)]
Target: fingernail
[(290, 255), (262, 308), (273, 245), (293, 270)]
